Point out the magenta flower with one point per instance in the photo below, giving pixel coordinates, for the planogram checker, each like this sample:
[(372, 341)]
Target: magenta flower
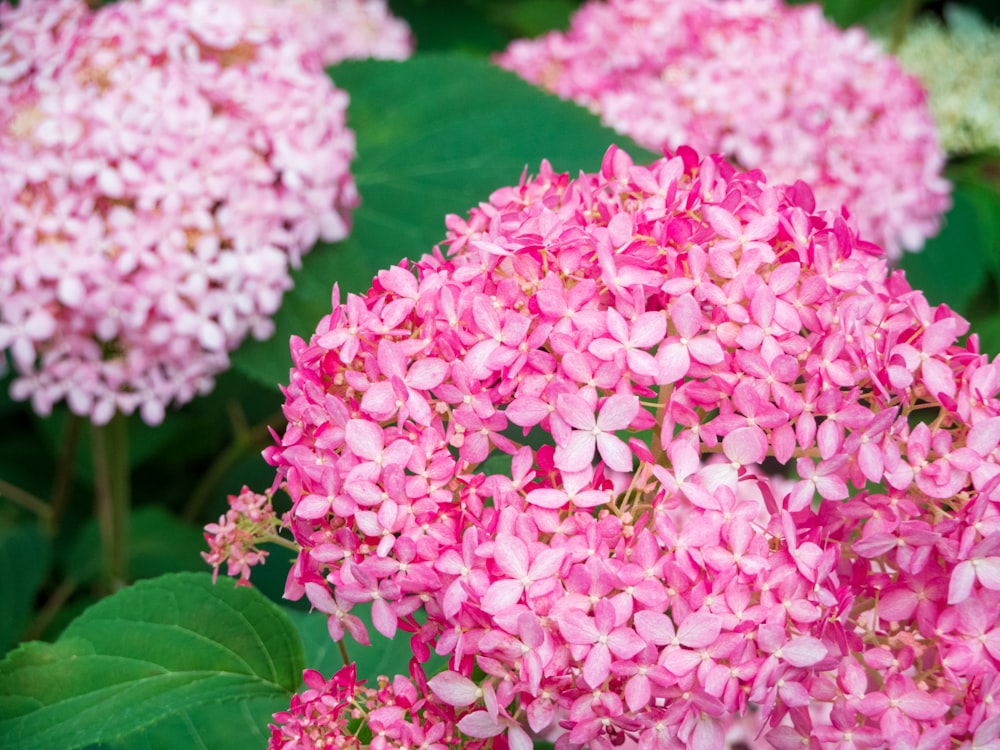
[(157, 192), (773, 86), (783, 533)]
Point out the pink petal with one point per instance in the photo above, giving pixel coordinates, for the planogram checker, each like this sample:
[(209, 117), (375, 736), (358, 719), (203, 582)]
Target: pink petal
[(479, 724), (364, 438), (616, 454), (706, 350), (699, 630), (655, 627), (577, 412), (427, 373), (597, 666), (960, 586), (649, 329), (502, 595), (577, 453), (577, 627), (988, 572), (803, 651), (919, 705), (454, 689), (511, 555), (617, 412), (545, 498), (527, 411), (745, 445), (383, 618), (685, 314), (674, 362)]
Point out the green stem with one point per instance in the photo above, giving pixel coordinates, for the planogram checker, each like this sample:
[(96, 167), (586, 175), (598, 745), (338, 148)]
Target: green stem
[(343, 652), (111, 480), (26, 500), (44, 617), (64, 468), (245, 438), (906, 11)]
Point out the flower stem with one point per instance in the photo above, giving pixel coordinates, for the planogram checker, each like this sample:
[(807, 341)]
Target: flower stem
[(64, 468), (245, 438), (26, 500), (343, 652), (111, 481)]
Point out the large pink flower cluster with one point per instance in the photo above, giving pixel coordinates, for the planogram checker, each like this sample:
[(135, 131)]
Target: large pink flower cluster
[(162, 165), (336, 30), (775, 87), (660, 452)]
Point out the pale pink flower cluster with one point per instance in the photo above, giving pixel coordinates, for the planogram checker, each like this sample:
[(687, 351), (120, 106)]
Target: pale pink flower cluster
[(552, 442), (249, 521), (336, 30), (399, 713), (163, 163), (774, 87)]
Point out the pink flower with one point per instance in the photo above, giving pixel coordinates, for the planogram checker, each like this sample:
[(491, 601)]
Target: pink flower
[(773, 86), (662, 555), (158, 192), (596, 432)]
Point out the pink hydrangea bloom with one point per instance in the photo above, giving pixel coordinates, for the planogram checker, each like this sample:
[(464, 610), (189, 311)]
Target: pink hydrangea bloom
[(162, 166), (663, 455), (774, 87), (336, 30)]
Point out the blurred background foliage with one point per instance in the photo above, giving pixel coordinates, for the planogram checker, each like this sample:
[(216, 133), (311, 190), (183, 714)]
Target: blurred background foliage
[(435, 135)]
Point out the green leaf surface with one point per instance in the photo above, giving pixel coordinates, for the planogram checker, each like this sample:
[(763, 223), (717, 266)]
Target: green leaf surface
[(158, 543), (209, 727), (436, 134), (383, 657), (162, 650), (953, 265), (25, 556)]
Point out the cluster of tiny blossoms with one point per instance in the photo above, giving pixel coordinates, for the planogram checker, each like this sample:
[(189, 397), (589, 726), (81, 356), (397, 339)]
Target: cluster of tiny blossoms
[(162, 165), (662, 454), (960, 65), (249, 521), (774, 87), (336, 30)]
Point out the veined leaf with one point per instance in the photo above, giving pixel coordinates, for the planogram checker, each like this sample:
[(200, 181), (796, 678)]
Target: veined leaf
[(158, 651), (436, 134)]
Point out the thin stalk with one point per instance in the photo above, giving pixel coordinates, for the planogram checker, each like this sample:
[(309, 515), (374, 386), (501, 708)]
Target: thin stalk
[(64, 468), (343, 652), (109, 444), (245, 438), (906, 11), (26, 500), (43, 618)]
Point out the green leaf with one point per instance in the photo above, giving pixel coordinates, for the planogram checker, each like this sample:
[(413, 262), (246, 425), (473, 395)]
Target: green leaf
[(158, 543), (210, 727), (162, 650), (25, 556), (436, 134), (951, 267), (383, 657)]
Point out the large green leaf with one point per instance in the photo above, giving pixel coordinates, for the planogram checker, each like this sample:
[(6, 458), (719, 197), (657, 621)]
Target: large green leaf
[(383, 657), (162, 650), (953, 265), (25, 555), (436, 134), (158, 543)]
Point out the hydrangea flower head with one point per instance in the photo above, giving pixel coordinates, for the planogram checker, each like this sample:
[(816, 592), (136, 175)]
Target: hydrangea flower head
[(774, 87), (162, 166), (335, 30), (959, 63), (552, 438)]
